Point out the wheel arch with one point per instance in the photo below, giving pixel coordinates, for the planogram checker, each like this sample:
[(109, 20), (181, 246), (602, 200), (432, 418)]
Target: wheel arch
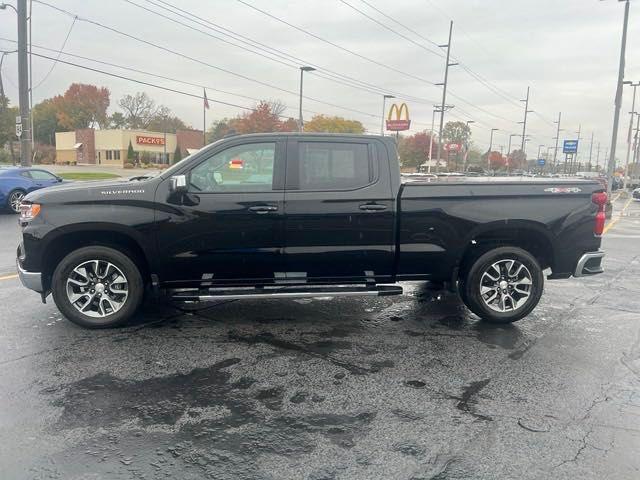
[(532, 237), (67, 240)]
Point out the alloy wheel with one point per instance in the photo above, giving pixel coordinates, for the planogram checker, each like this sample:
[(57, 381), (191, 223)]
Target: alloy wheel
[(15, 200), (506, 285), (97, 288)]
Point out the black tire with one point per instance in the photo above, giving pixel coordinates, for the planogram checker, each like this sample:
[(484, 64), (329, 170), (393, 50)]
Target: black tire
[(11, 201), (135, 286), (470, 285)]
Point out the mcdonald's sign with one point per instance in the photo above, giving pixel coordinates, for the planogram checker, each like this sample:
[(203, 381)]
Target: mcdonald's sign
[(398, 124)]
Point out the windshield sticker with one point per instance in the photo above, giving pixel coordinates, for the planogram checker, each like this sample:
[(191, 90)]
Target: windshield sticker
[(563, 190)]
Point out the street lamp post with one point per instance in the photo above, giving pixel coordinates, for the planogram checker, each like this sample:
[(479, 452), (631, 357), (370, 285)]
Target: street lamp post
[(384, 109), (302, 70), (633, 111)]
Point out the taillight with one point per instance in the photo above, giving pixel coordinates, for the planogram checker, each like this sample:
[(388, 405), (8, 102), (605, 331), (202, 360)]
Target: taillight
[(600, 199)]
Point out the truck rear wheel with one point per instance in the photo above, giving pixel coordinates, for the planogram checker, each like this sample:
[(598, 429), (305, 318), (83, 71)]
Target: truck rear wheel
[(97, 287), (503, 285)]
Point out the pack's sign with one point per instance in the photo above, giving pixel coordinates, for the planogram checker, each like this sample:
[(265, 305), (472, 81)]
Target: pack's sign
[(398, 124), (147, 140)]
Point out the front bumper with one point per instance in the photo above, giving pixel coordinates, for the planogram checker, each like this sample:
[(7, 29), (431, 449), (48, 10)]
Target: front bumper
[(31, 280), (589, 264)]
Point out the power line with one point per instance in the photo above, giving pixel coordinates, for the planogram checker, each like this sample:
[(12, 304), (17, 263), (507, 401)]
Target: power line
[(325, 73), (188, 57), (59, 53), (438, 54), (340, 47)]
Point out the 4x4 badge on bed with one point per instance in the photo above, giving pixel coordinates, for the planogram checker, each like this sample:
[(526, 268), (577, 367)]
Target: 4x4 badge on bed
[(563, 190)]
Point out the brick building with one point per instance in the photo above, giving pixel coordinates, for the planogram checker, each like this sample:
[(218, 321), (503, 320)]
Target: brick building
[(109, 147)]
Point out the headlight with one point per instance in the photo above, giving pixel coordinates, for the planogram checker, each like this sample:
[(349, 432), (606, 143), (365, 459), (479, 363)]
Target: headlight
[(29, 211)]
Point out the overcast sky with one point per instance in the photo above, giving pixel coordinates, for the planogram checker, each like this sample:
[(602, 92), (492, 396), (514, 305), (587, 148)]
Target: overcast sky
[(566, 51)]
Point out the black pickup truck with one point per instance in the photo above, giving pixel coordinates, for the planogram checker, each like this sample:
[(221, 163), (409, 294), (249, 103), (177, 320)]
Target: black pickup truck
[(293, 215)]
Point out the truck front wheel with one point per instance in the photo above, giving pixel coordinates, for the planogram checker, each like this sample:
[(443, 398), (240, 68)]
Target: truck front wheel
[(97, 287), (503, 285)]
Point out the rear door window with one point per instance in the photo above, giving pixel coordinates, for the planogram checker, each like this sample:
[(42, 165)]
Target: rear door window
[(333, 166)]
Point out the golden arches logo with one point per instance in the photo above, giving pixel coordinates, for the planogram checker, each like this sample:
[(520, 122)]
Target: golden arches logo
[(398, 124)]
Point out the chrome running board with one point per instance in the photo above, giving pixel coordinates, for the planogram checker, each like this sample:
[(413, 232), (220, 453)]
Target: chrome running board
[(198, 295)]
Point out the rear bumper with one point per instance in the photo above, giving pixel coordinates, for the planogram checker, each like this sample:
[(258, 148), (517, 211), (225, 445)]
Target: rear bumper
[(589, 264), (31, 280)]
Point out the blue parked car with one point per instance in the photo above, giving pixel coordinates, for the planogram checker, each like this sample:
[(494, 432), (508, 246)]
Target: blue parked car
[(16, 182)]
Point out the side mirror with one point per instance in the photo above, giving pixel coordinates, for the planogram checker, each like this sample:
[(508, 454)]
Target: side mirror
[(59, 179), (178, 184)]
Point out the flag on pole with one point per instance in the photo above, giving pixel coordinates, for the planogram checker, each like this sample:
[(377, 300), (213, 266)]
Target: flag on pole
[(206, 101)]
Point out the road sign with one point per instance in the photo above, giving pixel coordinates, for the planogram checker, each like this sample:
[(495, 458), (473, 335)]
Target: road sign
[(541, 162), (398, 124), (18, 119), (452, 147), (18, 129), (570, 146)]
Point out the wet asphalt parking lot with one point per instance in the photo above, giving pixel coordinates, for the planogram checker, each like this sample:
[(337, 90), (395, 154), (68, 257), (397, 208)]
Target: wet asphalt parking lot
[(409, 387)]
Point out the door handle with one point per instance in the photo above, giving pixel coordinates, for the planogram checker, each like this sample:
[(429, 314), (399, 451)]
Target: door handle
[(261, 209), (372, 207)]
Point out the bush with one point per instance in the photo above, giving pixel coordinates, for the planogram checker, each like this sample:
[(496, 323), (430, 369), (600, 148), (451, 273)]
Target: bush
[(45, 154), (128, 165), (5, 157)]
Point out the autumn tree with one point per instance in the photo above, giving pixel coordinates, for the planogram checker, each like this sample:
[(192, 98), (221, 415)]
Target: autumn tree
[(457, 132), (414, 149), (260, 120), (289, 125), (82, 106), (329, 124), (496, 160)]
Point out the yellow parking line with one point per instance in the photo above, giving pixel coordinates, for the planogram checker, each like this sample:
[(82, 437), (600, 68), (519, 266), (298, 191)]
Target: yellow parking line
[(9, 277), (617, 219)]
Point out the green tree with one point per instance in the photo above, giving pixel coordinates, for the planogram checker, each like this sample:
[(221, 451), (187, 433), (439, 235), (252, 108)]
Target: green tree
[(475, 157), (7, 126), (131, 155), (218, 130), (457, 132), (164, 121), (328, 124), (177, 155), (45, 122), (117, 120)]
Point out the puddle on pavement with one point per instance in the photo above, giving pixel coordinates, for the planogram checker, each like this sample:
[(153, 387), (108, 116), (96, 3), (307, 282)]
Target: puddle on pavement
[(200, 419)]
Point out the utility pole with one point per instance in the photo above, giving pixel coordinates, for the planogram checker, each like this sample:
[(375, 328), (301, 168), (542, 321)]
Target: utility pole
[(598, 158), (524, 123), (618, 101), (23, 85), (574, 158), (590, 150), (633, 111), (555, 152), (444, 93)]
